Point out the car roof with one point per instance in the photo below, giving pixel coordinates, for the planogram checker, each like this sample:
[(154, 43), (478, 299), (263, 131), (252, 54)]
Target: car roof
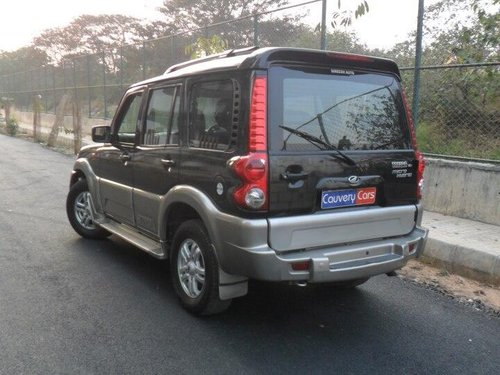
[(263, 58)]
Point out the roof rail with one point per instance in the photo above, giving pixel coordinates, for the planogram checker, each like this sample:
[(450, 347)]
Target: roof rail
[(227, 53)]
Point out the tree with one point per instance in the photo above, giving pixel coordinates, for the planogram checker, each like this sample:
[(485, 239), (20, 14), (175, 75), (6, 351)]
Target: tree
[(230, 20), (188, 14), (464, 31), (458, 108), (90, 34)]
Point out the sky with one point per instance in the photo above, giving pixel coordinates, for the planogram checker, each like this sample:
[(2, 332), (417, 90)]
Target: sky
[(387, 22)]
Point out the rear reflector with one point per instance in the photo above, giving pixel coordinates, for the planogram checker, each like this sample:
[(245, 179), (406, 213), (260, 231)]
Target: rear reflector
[(301, 266), (411, 248)]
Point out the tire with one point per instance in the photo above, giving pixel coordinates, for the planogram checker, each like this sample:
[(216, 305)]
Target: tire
[(195, 270), (79, 215)]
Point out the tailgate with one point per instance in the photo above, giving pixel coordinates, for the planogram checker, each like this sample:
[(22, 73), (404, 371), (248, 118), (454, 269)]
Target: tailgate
[(339, 227)]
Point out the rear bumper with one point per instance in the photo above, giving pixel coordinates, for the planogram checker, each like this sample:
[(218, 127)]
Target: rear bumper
[(243, 250)]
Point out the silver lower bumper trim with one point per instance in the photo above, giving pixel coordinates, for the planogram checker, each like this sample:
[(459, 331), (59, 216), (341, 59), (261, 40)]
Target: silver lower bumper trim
[(336, 263)]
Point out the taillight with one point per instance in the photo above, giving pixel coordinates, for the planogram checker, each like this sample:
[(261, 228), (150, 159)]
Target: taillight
[(418, 156), (420, 173), (257, 127), (252, 169)]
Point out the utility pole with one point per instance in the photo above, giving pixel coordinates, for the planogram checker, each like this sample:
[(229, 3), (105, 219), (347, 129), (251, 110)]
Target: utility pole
[(418, 61), (323, 25)]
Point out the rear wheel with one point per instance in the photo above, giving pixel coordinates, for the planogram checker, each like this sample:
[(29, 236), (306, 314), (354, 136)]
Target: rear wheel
[(195, 270), (80, 214)]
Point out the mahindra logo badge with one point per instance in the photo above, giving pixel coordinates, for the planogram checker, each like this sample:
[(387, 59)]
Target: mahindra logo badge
[(353, 180)]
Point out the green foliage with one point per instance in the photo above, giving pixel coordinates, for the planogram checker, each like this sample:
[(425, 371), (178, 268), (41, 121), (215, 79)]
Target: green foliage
[(463, 31), (206, 46), (12, 126), (344, 17), (89, 34), (189, 14)]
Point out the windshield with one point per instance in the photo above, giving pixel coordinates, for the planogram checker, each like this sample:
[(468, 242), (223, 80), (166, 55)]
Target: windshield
[(346, 109)]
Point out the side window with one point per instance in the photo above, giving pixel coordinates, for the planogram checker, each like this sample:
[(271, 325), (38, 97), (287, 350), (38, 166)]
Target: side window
[(162, 117), (211, 114), (127, 123)]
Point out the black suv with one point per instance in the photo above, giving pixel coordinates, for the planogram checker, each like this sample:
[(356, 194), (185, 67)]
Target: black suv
[(276, 164)]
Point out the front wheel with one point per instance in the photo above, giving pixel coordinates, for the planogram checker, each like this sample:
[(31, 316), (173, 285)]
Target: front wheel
[(195, 270), (79, 211)]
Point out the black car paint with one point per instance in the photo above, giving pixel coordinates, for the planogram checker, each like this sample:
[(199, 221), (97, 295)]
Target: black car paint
[(205, 169)]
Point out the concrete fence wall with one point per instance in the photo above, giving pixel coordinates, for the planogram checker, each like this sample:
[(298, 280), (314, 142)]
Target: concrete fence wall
[(48, 119), (463, 189)]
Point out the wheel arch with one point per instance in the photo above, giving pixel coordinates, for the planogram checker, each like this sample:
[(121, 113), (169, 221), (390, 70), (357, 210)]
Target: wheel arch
[(83, 169), (76, 175), (185, 202), (176, 214)]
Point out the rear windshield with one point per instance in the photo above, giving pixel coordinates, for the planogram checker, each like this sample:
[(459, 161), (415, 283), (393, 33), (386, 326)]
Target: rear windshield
[(347, 109)]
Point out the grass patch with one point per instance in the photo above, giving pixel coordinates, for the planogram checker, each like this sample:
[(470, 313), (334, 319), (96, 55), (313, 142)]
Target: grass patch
[(463, 143)]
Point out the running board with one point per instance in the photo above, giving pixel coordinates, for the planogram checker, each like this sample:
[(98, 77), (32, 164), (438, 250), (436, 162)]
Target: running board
[(135, 238)]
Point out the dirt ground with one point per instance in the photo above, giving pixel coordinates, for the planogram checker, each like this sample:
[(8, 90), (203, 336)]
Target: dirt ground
[(470, 292)]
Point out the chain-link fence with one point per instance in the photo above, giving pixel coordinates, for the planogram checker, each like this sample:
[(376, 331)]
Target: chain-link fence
[(459, 109), (458, 104)]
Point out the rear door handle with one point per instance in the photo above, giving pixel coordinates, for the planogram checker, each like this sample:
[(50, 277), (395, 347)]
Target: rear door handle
[(168, 162), (293, 177)]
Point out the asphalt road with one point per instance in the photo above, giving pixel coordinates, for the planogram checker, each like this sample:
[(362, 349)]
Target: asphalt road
[(69, 305)]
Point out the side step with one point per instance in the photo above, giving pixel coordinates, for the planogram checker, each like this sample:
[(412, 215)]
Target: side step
[(135, 238)]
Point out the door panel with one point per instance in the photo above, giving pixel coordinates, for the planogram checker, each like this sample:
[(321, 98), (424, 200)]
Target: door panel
[(157, 159), (116, 172), (153, 179)]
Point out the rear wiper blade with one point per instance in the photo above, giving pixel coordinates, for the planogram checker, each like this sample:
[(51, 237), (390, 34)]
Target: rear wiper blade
[(319, 143)]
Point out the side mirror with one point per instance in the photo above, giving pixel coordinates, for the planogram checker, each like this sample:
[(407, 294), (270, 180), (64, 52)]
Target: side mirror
[(101, 134)]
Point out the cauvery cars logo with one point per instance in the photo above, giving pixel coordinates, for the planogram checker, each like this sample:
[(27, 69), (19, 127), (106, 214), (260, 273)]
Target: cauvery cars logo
[(350, 197)]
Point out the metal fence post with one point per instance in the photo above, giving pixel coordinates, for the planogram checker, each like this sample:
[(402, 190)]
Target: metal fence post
[(121, 67), (172, 49), (64, 82), (144, 60), (104, 83), (418, 61), (323, 25), (54, 87), (75, 86), (46, 88), (255, 30), (89, 90)]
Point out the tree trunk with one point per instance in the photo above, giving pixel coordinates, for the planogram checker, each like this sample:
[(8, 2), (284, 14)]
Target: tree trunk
[(59, 121), (7, 111)]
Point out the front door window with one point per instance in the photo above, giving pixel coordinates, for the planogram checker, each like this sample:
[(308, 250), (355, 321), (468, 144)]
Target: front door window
[(127, 122)]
